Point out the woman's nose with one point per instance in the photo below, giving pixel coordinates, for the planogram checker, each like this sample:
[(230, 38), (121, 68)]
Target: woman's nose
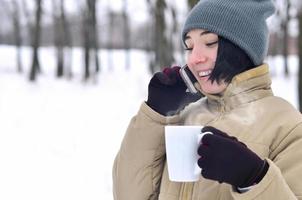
[(197, 56)]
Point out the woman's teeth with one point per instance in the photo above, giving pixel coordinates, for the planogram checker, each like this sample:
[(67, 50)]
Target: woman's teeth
[(205, 73)]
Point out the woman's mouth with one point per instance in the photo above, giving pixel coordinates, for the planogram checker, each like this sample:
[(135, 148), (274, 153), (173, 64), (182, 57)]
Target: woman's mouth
[(204, 73)]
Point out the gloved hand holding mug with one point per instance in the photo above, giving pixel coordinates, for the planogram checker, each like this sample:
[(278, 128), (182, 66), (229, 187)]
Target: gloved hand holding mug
[(167, 93), (225, 159)]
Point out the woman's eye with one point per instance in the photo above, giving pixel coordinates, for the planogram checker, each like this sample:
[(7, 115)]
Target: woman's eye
[(212, 43), (188, 48)]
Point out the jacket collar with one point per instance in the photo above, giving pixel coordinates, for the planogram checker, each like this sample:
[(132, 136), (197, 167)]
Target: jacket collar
[(245, 87)]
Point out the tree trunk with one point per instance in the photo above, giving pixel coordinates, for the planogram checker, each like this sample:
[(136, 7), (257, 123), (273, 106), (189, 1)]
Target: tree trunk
[(86, 54), (300, 61), (67, 41), (163, 54), (17, 34), (58, 38), (90, 40), (36, 42), (94, 36), (126, 35), (86, 44), (285, 38), (150, 37), (29, 21), (111, 16), (174, 37)]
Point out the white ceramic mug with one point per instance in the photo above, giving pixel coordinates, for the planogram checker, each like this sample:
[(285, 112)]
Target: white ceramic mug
[(181, 150)]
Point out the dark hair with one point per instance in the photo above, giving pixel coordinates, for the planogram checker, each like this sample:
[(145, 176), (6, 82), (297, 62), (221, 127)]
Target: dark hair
[(231, 60)]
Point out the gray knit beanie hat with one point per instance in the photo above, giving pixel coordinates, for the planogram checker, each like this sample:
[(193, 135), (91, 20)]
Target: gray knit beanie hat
[(243, 22)]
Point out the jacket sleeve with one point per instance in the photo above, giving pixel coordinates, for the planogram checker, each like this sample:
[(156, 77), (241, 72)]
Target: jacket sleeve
[(283, 179), (139, 163)]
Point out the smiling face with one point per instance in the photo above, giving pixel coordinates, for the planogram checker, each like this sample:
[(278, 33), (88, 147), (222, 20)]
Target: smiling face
[(202, 48)]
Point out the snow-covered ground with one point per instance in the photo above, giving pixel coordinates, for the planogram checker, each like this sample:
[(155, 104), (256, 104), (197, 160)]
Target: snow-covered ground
[(58, 138)]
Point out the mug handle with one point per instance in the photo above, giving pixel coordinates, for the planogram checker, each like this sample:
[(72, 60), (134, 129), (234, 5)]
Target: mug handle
[(200, 136)]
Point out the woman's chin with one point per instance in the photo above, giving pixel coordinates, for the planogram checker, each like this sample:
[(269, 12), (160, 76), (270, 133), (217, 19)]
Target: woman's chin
[(213, 88)]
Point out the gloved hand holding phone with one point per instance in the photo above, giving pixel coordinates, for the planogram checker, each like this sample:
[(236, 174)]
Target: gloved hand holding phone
[(167, 92)]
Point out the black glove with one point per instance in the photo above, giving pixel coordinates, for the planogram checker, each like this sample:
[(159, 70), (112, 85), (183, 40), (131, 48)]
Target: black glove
[(167, 92), (225, 159)]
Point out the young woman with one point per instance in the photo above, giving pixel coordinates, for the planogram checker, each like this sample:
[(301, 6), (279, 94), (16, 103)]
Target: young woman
[(255, 149)]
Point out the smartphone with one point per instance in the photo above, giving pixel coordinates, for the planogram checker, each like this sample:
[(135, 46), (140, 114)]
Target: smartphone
[(188, 78)]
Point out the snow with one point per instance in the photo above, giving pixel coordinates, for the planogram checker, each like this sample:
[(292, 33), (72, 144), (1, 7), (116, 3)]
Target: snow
[(58, 138)]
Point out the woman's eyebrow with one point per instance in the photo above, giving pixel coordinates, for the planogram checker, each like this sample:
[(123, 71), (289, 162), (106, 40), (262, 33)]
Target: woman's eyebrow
[(201, 34), (205, 32)]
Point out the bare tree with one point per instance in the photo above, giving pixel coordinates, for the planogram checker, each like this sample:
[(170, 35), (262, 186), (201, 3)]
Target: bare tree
[(126, 31), (160, 44), (284, 26), (62, 38), (67, 41), (29, 20), (150, 35), (17, 33), (112, 21), (10, 10), (282, 21), (36, 42), (58, 36), (5, 16), (300, 59), (174, 42), (91, 45), (163, 53)]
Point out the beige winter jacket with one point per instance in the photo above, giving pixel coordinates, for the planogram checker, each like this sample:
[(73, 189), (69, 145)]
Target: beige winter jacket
[(267, 124)]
